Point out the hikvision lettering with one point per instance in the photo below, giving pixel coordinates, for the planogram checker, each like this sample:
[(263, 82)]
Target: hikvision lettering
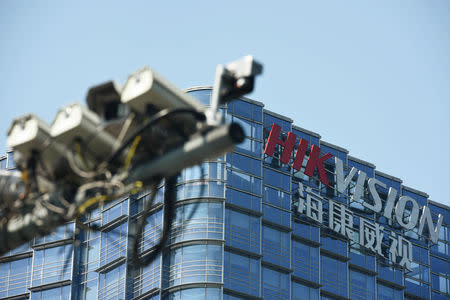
[(316, 162)]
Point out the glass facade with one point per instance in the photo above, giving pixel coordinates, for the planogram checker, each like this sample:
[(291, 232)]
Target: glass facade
[(240, 231)]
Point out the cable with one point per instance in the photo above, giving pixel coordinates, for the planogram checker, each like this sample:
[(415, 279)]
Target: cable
[(79, 153), (161, 115), (124, 129), (107, 188), (131, 152), (76, 169), (140, 223), (169, 211), (90, 202)]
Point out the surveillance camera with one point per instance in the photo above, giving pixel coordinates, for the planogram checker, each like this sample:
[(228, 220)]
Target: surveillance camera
[(29, 135), (244, 67), (146, 89), (104, 99), (75, 122)]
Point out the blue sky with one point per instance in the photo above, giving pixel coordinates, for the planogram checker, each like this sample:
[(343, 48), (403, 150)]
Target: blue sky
[(372, 77)]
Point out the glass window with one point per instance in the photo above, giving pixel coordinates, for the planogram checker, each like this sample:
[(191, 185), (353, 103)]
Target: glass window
[(11, 163), (242, 231), (244, 163), (441, 248), (22, 248), (200, 220), (276, 246), (420, 254), (362, 286), (436, 296), (360, 258), (207, 170), (421, 200), (274, 161), (244, 182), (439, 266), (231, 297), (417, 288), (60, 293), (306, 231), (241, 273), (275, 284), (312, 140), (418, 271), (257, 113), (250, 147), (114, 212), (242, 108), (88, 262), (193, 263), (148, 277), (195, 294), (312, 181), (216, 189), (251, 130), (62, 232), (334, 245), (435, 210), (2, 163), (277, 179), (440, 283), (112, 284), (305, 261), (216, 171), (390, 273), (152, 230), (276, 215), (334, 276), (90, 288), (114, 244), (301, 292), (52, 264), (196, 172), (15, 277), (388, 293), (242, 199), (351, 163), (192, 190), (142, 197), (269, 120), (277, 197)]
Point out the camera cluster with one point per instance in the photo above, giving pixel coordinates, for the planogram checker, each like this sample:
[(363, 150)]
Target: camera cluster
[(126, 139)]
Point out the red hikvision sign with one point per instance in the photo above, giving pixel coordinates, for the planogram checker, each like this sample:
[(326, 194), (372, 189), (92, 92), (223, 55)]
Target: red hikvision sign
[(315, 161)]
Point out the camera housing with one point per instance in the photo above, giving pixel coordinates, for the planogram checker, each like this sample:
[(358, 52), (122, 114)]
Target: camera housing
[(29, 134), (74, 123), (146, 90)]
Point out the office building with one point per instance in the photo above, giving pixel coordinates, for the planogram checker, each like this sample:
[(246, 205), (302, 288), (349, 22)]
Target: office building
[(258, 223)]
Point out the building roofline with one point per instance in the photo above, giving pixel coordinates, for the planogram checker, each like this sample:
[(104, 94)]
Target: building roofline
[(306, 131), (441, 205), (256, 102), (416, 191), (363, 162), (208, 87), (388, 176), (334, 146), (269, 112)]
